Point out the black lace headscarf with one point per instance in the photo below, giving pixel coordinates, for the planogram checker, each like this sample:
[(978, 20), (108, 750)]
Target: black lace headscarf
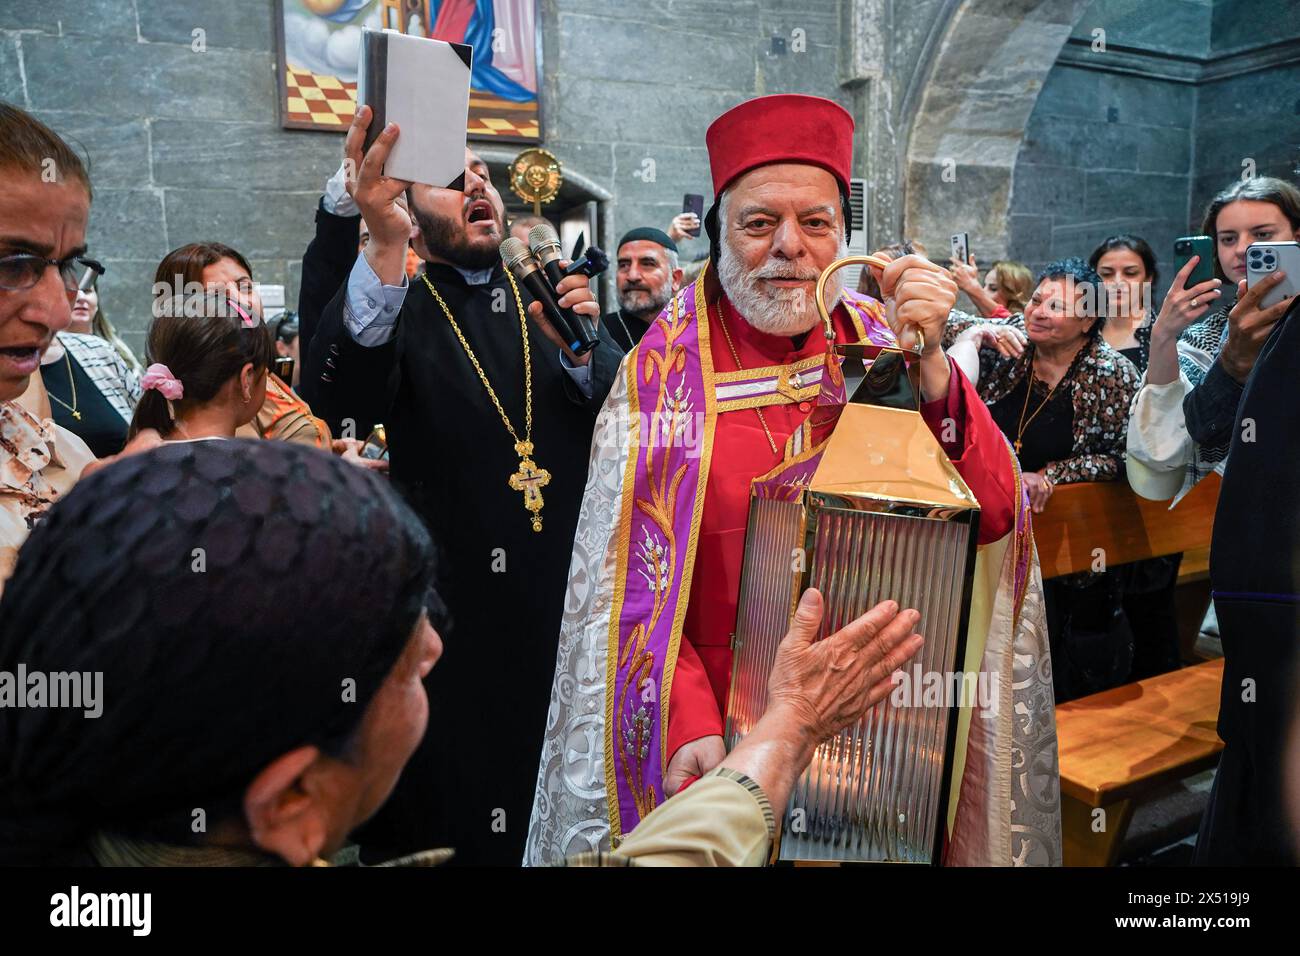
[(227, 591)]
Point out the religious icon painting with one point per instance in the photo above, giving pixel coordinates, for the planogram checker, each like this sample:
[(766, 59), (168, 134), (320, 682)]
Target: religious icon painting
[(318, 44)]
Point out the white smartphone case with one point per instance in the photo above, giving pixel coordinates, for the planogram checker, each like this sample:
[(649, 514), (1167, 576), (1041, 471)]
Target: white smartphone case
[(1265, 258)]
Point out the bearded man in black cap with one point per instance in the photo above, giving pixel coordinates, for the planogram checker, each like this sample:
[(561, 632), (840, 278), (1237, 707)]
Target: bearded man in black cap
[(648, 275)]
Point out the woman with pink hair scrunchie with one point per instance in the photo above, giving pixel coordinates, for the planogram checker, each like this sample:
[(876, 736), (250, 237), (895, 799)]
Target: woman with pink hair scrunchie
[(159, 376)]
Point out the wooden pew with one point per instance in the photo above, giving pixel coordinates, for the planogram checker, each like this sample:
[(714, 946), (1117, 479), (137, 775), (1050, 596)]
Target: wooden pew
[(1122, 744), (1108, 515), (1125, 742)]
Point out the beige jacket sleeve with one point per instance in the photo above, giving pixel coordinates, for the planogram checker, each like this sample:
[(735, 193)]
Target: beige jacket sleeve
[(723, 819), (1159, 448)]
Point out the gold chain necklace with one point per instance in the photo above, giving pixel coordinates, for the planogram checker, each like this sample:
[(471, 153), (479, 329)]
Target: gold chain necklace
[(528, 478), (762, 419), (1020, 432), (72, 382)]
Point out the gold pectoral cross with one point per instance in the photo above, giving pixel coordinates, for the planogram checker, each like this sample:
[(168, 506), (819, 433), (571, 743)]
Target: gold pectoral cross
[(1017, 444), (530, 480), (789, 383)]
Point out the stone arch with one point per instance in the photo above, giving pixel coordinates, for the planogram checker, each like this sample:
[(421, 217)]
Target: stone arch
[(973, 110)]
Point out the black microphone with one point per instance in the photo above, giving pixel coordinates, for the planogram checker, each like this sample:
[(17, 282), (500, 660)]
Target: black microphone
[(524, 267), (592, 264), (545, 245)]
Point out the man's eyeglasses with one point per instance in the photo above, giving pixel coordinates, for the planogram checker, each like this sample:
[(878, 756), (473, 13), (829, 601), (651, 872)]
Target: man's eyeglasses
[(23, 271)]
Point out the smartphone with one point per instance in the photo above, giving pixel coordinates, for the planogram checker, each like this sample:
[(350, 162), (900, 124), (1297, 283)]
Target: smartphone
[(1187, 246), (375, 445), (282, 367), (87, 280), (1265, 258), (693, 202), (961, 248)]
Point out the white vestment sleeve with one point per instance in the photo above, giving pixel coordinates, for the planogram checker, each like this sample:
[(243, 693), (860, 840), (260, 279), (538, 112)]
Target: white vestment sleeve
[(1159, 448)]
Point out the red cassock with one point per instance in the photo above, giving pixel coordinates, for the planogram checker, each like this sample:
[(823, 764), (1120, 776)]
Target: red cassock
[(742, 452)]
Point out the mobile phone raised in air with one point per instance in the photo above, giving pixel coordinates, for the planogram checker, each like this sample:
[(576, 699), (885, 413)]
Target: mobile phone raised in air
[(693, 202), (961, 247), (1187, 246), (282, 366), (1265, 258), (376, 444)]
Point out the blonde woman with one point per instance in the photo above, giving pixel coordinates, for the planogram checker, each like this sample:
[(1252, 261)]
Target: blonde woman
[(1004, 292)]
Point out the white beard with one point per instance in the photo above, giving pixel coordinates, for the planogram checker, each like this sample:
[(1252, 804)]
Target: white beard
[(769, 309)]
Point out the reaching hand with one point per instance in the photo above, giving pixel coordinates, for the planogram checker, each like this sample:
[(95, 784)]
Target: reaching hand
[(826, 685), (817, 688), (965, 274), (1249, 326), (349, 449), (1008, 340), (378, 197), (1183, 306)]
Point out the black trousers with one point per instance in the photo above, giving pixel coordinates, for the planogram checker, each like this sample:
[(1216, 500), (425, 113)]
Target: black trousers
[(1090, 638), (1149, 606), (1245, 822)]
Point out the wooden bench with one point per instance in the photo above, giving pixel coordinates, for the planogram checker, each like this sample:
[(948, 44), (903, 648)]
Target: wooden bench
[(1120, 744), (1123, 744), (1081, 518)]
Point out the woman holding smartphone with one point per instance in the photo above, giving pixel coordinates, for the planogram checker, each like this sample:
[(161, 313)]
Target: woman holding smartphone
[(1204, 344), (1263, 209), (1252, 552)]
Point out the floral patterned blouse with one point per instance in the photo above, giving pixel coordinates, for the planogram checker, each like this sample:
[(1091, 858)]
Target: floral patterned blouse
[(1102, 382), (39, 462)]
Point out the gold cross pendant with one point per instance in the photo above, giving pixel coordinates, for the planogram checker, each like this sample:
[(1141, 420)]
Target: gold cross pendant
[(1017, 445), (789, 384), (530, 480), (76, 414)]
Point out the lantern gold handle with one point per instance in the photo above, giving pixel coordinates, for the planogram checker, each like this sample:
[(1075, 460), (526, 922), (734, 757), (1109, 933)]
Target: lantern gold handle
[(834, 267)]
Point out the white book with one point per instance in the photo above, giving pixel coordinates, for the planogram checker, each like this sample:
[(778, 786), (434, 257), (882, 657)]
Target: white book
[(422, 85)]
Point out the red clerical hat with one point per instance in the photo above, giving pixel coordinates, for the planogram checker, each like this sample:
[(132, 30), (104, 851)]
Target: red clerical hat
[(786, 128)]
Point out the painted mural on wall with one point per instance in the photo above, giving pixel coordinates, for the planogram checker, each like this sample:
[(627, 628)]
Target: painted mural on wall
[(318, 43)]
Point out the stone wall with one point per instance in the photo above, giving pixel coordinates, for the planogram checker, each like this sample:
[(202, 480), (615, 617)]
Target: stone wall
[(1051, 152), (987, 72), (1248, 123), (1103, 154), (1137, 136), (1254, 116), (183, 145), (186, 145), (631, 88)]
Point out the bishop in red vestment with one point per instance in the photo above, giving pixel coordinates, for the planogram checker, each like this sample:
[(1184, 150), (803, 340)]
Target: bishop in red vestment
[(780, 168)]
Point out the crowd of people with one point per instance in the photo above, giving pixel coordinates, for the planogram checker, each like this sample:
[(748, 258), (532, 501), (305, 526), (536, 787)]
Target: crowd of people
[(219, 489)]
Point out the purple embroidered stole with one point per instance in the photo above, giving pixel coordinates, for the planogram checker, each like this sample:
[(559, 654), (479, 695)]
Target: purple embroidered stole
[(672, 415)]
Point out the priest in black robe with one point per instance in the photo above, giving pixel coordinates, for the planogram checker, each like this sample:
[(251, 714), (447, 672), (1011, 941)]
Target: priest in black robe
[(470, 786), (1255, 581)]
